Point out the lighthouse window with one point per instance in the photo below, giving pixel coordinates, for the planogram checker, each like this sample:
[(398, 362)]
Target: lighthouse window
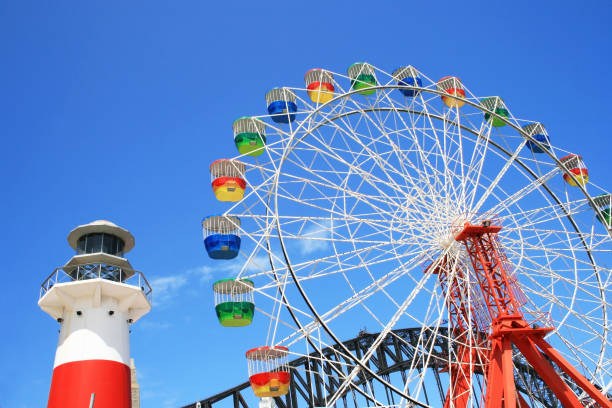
[(109, 244), (100, 242), (94, 243)]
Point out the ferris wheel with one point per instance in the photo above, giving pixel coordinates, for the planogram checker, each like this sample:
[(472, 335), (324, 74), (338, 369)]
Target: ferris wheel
[(375, 201)]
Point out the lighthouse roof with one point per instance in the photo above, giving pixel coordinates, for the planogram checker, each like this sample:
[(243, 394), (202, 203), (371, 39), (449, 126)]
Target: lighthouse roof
[(101, 226)]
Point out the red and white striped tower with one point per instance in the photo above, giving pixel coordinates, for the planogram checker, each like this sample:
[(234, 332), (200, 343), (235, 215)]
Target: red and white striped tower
[(95, 297)]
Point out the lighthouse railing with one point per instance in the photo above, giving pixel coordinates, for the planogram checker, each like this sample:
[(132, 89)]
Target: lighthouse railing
[(110, 272)]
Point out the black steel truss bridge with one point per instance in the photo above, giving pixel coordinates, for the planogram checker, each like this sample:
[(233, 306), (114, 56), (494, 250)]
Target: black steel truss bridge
[(313, 379)]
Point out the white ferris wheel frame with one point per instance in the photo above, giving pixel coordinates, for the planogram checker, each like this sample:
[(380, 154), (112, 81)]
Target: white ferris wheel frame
[(273, 221)]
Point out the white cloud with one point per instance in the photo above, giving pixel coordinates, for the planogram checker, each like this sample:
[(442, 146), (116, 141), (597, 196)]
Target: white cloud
[(314, 238), (204, 272), (170, 402), (258, 263), (166, 288), (151, 324)]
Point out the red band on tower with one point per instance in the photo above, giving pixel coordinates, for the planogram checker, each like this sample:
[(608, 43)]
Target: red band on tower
[(73, 383)]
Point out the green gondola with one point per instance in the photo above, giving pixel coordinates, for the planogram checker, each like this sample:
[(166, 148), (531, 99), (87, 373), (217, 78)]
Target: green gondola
[(362, 77), (249, 136), (234, 302), (604, 204), (495, 104)]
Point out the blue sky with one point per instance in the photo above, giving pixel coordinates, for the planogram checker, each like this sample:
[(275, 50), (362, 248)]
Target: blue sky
[(114, 110)]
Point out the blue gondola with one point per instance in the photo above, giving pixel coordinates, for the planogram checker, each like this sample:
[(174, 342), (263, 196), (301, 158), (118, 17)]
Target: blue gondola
[(408, 76), (538, 132), (221, 236), (281, 105), (222, 246)]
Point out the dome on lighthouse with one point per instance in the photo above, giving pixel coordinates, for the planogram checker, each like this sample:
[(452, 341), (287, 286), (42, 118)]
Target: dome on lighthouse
[(101, 227)]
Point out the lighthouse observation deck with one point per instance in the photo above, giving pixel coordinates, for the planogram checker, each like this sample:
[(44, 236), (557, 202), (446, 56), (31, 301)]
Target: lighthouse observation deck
[(100, 247), (97, 266)]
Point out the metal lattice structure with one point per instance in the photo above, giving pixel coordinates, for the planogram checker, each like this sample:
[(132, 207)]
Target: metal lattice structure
[(392, 356)]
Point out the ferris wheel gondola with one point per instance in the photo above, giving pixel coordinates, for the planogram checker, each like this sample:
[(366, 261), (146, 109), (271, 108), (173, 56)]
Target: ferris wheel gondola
[(227, 178), (234, 302), (537, 133), (221, 237)]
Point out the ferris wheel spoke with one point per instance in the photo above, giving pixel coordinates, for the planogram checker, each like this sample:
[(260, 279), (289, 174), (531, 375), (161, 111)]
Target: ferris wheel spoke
[(544, 295), (545, 214), (571, 243), (422, 167), (339, 364), (322, 181), (554, 254), (278, 301), (383, 333), (314, 205), (351, 302), (424, 348), (361, 360), (353, 112), (341, 268), (392, 176), (316, 269), (359, 297), (524, 192), (570, 347), (476, 163), (304, 221), (459, 160), (567, 244), (328, 265), (450, 196), (550, 224), (376, 211), (454, 149), (380, 163), (489, 189), (324, 232), (367, 266), (423, 358), (402, 159)]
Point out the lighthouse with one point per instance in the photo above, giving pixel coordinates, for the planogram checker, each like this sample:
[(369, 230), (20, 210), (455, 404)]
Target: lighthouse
[(95, 297)]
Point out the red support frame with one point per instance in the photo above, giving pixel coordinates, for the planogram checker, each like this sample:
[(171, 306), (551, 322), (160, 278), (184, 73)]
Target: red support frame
[(509, 327), (470, 356)]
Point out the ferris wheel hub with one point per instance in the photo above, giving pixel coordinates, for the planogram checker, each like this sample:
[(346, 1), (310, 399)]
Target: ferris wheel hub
[(446, 241)]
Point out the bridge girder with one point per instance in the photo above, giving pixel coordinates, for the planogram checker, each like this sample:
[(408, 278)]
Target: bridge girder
[(394, 355)]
